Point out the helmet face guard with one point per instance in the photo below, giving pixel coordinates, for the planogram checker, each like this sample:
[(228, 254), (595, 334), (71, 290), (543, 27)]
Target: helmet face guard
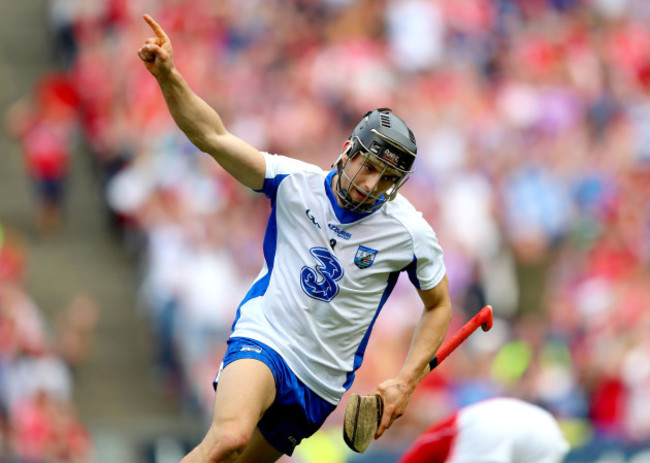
[(386, 139)]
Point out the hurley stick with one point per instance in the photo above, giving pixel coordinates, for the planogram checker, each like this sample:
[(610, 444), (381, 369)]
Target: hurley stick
[(363, 413)]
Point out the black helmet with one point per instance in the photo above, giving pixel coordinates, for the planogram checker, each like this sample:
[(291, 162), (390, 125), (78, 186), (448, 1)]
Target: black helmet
[(386, 137)]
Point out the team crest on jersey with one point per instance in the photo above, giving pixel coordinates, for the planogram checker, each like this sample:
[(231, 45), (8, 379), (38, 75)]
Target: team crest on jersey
[(365, 257)]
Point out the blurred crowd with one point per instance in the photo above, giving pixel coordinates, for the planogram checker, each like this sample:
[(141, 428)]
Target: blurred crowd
[(533, 126), (38, 421)]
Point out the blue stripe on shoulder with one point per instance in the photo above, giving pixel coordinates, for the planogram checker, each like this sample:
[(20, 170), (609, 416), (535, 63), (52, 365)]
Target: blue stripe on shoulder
[(411, 270), (270, 187)]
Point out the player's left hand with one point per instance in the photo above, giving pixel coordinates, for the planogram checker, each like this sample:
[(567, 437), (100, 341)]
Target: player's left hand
[(396, 395)]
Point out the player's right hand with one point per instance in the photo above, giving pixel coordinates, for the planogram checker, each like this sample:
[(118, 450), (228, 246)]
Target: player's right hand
[(157, 53), (395, 395)]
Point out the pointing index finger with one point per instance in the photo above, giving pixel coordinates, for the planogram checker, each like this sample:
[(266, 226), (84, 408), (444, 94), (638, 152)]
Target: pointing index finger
[(160, 33)]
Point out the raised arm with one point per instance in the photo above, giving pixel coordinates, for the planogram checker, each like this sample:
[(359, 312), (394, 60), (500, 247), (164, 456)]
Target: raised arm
[(195, 117), (427, 338)]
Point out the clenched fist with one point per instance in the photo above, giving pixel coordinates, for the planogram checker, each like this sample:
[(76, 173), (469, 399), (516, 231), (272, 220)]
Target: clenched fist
[(157, 53)]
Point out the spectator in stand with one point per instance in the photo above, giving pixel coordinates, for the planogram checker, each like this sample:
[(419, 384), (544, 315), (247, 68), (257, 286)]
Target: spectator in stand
[(46, 429), (37, 418), (46, 134)]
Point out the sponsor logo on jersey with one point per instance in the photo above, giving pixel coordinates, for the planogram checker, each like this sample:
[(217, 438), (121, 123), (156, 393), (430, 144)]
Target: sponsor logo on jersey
[(340, 233), (256, 349), (365, 257), (312, 218), (320, 281)]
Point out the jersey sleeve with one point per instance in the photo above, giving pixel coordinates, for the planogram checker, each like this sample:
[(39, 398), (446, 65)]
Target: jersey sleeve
[(428, 267), (278, 167)]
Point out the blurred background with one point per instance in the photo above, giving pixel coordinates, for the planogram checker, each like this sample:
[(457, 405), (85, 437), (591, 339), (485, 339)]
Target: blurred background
[(124, 252)]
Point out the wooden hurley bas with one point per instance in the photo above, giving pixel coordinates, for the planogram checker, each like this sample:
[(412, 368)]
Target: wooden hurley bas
[(363, 412)]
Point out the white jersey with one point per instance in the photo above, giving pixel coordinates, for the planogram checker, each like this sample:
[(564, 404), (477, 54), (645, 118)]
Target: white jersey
[(507, 430), (327, 273)]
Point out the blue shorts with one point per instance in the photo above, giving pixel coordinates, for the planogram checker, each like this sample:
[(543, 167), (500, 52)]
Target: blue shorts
[(297, 412)]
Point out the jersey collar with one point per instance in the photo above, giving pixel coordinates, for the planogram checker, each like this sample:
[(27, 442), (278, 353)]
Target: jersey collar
[(344, 215)]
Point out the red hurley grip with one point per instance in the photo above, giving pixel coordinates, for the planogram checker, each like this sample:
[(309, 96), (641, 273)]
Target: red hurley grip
[(482, 319)]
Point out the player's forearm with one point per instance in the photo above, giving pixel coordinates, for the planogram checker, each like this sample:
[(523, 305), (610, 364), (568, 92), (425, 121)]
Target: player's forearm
[(428, 336), (204, 128), (192, 115)]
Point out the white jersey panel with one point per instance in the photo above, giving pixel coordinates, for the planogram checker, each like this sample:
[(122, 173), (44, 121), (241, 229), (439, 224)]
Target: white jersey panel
[(507, 430), (328, 272)]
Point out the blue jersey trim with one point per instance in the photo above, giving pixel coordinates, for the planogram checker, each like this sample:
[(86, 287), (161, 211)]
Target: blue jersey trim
[(411, 270), (270, 187), (358, 356), (344, 215), (269, 247)]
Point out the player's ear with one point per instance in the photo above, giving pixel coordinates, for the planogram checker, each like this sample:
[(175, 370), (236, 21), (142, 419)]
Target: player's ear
[(345, 151), (343, 156)]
